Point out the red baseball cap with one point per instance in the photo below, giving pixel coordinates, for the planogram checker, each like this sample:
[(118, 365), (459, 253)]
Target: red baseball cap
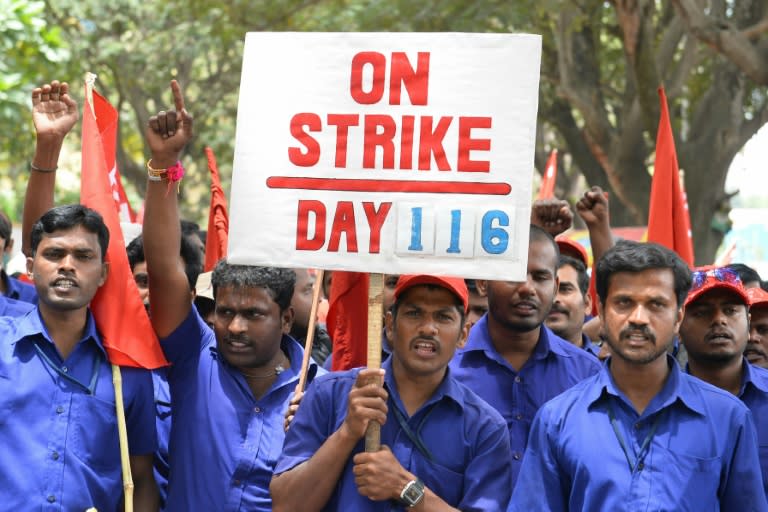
[(757, 297), (570, 247), (707, 279), (456, 285)]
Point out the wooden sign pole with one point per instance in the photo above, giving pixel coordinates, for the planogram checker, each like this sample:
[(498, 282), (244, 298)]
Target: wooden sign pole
[(375, 302)]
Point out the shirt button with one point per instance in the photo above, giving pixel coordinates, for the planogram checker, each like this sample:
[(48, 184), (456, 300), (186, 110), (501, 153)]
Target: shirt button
[(64, 369), (516, 456), (257, 409), (51, 498), (637, 426), (236, 483), (640, 466), (518, 379), (518, 416), (55, 455), (59, 410)]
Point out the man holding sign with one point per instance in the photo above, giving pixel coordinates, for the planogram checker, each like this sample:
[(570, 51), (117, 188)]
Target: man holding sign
[(230, 385), (444, 448)]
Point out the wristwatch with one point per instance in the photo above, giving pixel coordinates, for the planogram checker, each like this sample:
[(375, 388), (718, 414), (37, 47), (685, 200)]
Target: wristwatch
[(412, 493)]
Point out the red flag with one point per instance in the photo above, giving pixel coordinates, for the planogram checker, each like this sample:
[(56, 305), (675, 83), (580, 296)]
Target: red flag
[(218, 219), (547, 189), (109, 143), (668, 221), (120, 316), (348, 319)]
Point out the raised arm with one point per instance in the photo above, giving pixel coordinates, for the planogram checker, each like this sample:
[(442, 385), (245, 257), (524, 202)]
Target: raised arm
[(167, 133), (593, 209), (54, 113), (552, 215)]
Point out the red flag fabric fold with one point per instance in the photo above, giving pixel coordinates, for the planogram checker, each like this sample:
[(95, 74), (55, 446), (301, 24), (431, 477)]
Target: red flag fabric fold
[(120, 315), (547, 189), (669, 223), (348, 319), (218, 219)]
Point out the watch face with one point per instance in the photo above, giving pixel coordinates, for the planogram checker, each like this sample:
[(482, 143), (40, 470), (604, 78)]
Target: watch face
[(413, 493)]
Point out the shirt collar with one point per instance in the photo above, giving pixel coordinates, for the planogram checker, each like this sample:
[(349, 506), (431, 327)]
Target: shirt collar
[(31, 325), (448, 388), (751, 375), (480, 340), (676, 388)]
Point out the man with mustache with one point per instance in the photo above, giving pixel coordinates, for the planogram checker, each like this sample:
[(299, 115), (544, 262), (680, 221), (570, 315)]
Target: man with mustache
[(757, 346), (58, 431), (641, 434), (230, 385), (572, 303), (715, 330), (513, 361), (443, 448)]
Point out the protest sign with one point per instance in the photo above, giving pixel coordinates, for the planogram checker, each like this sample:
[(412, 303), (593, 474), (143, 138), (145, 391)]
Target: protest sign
[(395, 153)]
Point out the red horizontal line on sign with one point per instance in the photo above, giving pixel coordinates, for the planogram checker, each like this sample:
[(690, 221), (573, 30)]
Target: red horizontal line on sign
[(407, 186)]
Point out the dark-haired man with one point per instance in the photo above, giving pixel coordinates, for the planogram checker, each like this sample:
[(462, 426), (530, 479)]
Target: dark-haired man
[(444, 448), (193, 265), (715, 332), (641, 434), (572, 304), (10, 287), (302, 307), (60, 424), (757, 346), (230, 385), (58, 432), (513, 361)]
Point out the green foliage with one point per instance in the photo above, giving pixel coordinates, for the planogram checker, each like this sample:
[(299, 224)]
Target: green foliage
[(31, 50), (137, 46)]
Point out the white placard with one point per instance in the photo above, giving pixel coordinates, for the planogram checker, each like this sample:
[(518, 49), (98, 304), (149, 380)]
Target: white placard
[(395, 153)]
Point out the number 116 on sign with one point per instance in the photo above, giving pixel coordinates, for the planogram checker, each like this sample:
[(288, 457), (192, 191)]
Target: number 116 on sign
[(457, 232)]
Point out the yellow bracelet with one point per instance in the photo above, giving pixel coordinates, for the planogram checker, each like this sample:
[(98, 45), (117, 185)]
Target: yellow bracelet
[(155, 174)]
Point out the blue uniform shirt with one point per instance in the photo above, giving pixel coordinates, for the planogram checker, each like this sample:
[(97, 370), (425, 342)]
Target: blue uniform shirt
[(163, 424), (18, 290), (13, 307), (554, 366), (589, 346), (701, 454), (754, 393), (59, 447), (224, 442), (467, 458)]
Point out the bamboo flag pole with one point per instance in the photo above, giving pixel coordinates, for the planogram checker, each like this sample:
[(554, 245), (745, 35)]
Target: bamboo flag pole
[(375, 302), (117, 380), (310, 332)]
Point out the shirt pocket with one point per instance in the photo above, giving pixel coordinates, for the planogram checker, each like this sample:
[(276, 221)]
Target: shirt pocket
[(94, 438), (444, 482), (9, 397), (692, 481)]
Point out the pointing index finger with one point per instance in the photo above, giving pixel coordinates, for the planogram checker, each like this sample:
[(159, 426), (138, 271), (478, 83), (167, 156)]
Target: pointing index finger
[(178, 99)]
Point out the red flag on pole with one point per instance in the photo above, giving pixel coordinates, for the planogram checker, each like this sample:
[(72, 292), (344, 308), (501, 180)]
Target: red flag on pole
[(120, 316), (348, 319), (218, 219), (547, 189), (108, 128), (669, 223)]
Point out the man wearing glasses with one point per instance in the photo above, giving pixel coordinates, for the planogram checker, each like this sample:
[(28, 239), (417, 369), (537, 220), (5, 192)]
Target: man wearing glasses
[(715, 331)]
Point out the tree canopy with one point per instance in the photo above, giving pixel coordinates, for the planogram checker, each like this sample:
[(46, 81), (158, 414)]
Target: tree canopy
[(602, 63)]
